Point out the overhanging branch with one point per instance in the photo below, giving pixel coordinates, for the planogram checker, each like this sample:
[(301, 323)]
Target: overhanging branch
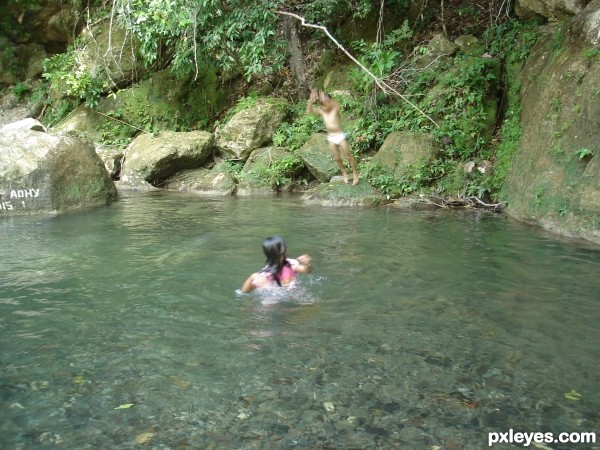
[(386, 88)]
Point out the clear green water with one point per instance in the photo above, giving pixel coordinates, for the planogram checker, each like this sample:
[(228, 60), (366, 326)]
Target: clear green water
[(416, 329)]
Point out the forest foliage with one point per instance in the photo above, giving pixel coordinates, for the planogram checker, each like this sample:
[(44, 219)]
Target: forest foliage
[(244, 39)]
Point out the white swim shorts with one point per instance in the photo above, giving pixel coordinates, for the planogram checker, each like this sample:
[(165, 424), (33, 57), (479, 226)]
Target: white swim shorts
[(336, 138)]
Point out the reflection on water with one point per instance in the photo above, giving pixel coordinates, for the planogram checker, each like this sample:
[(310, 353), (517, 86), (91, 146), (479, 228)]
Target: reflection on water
[(123, 326)]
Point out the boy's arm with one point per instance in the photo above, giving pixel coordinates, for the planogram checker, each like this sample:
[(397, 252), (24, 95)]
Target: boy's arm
[(310, 109)]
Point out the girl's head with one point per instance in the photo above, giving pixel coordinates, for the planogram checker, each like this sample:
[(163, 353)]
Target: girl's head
[(275, 250)]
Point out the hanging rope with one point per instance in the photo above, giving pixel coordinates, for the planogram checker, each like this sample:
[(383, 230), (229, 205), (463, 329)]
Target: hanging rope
[(386, 88)]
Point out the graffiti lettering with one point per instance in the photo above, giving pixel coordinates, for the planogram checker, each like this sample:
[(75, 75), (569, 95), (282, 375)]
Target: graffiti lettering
[(24, 193), (6, 205)]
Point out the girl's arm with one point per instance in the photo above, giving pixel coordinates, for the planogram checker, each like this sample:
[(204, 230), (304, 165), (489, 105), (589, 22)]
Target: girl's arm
[(304, 264), (248, 285)]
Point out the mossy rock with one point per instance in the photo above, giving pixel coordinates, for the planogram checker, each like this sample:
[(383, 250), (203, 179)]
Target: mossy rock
[(341, 194), (475, 118), (403, 148), (160, 103), (250, 128), (269, 170), (318, 159), (470, 45), (550, 184)]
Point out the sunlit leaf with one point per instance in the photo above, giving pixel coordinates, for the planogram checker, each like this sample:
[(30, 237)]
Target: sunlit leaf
[(572, 395), (124, 406)]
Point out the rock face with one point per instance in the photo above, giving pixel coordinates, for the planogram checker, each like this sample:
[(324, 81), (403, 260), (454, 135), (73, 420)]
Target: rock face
[(109, 48), (40, 172), (157, 158), (250, 129), (160, 103), (555, 178)]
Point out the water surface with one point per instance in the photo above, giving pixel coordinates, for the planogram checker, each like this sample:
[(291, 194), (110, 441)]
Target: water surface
[(122, 326)]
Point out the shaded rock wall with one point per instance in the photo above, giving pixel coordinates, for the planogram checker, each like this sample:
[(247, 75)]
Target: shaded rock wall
[(555, 179)]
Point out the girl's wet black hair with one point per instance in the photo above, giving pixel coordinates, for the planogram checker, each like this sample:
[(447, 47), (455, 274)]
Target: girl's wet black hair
[(274, 248)]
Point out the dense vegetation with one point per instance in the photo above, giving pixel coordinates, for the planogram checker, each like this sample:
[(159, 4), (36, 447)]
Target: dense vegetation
[(244, 40)]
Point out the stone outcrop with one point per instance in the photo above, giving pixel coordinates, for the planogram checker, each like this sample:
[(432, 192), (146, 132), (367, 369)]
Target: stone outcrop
[(555, 175), (41, 172), (163, 102), (337, 193)]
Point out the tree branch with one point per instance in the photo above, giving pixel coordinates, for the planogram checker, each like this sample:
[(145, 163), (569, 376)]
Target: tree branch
[(386, 88)]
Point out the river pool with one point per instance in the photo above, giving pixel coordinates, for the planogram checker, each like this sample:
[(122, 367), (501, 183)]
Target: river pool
[(122, 327)]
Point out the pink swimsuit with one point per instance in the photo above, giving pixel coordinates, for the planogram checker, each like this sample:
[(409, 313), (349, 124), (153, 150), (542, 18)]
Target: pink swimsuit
[(287, 275)]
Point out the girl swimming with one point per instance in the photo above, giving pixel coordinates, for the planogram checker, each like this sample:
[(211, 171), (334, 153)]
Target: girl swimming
[(279, 270)]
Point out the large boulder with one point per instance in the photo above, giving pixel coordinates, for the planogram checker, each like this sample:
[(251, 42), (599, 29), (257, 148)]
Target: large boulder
[(156, 158), (13, 107), (554, 177), (439, 48), (405, 148), (250, 128), (83, 121), (217, 181), (269, 170), (41, 172), (584, 29), (54, 22)]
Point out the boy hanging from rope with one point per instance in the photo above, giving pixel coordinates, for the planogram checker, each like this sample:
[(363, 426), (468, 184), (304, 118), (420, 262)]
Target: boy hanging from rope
[(329, 110)]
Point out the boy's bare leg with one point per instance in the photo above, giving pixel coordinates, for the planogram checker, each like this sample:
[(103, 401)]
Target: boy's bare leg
[(346, 149), (338, 160)]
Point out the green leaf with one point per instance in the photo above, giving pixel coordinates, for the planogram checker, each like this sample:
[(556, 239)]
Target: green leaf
[(124, 406)]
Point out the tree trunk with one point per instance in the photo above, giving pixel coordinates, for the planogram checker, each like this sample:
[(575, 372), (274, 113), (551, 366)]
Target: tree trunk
[(296, 61)]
